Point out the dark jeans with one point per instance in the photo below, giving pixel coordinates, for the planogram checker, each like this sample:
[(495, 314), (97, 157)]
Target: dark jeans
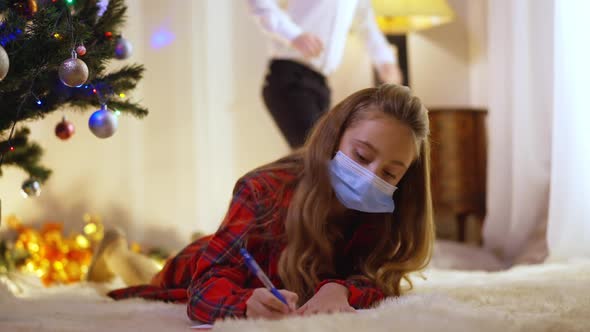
[(296, 96)]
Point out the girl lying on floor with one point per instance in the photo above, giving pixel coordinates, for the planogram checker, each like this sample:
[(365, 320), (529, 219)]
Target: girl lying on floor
[(321, 222)]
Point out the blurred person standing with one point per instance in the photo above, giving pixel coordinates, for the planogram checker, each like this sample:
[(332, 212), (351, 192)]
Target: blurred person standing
[(307, 45)]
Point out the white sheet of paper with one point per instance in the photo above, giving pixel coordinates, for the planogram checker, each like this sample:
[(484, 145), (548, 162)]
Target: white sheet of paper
[(202, 326)]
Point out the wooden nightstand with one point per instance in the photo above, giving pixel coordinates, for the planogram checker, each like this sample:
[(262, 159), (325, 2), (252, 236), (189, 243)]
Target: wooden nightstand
[(458, 170)]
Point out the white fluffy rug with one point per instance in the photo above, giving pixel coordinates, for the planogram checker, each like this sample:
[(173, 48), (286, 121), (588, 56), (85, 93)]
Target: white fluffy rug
[(553, 297), (550, 297)]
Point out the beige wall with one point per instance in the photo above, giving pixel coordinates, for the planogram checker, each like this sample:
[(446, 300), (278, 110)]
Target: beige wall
[(448, 64), (171, 174)]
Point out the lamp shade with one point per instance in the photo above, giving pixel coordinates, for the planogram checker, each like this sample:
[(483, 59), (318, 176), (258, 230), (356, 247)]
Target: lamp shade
[(402, 16)]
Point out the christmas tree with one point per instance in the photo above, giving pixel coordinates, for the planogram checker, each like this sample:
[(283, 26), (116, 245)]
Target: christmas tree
[(54, 56)]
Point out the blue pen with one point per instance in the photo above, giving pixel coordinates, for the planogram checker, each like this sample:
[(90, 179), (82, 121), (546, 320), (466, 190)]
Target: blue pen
[(255, 268)]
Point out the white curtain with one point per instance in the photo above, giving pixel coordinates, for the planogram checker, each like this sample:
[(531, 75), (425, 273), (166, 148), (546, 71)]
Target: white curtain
[(520, 102), (536, 122), (569, 208)]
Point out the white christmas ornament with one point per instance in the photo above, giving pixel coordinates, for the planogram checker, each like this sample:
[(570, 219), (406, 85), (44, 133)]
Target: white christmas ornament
[(4, 63)]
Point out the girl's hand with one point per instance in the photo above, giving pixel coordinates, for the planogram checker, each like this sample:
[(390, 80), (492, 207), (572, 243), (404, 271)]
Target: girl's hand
[(308, 44), (332, 297), (262, 304)]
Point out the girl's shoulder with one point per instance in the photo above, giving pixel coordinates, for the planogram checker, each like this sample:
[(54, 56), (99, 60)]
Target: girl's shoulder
[(267, 191), (276, 176), (269, 181), (271, 191)]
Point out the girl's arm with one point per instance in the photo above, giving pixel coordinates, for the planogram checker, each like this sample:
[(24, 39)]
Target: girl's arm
[(217, 288), (362, 293)]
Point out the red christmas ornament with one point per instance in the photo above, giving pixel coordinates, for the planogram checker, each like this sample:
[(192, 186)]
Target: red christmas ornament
[(81, 50), (64, 129), (108, 34)]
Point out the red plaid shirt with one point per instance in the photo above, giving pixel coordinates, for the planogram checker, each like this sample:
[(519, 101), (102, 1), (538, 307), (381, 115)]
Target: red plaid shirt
[(210, 273)]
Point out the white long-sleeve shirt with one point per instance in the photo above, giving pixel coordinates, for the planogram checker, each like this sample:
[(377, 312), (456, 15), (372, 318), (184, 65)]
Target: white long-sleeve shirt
[(330, 21)]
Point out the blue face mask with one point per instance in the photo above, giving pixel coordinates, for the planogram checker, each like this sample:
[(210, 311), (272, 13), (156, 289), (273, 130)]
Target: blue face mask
[(359, 189)]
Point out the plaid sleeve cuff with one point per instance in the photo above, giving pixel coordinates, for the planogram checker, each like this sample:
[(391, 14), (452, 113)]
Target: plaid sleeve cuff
[(234, 306)]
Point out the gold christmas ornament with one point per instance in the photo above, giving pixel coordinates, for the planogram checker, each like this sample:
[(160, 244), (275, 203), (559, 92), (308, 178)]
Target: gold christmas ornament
[(26, 8)]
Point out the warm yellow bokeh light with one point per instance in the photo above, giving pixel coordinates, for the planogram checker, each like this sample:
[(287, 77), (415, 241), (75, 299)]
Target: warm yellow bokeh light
[(403, 16)]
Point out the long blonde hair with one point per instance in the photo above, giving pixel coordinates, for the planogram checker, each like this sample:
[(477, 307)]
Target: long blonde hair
[(405, 237)]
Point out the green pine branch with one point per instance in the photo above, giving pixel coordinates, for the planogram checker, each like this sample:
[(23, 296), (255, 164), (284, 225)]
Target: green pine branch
[(26, 155)]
